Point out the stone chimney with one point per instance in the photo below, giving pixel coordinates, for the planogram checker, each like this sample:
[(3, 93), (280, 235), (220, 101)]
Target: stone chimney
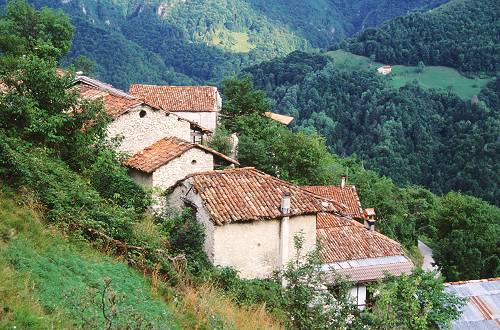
[(370, 219), (343, 181)]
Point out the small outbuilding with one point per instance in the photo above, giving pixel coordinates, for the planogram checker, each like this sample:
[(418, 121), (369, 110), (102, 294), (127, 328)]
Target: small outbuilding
[(385, 69), (171, 159)]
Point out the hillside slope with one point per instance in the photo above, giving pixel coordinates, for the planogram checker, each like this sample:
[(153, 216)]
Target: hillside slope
[(49, 279), (463, 34), (412, 135), (200, 41)]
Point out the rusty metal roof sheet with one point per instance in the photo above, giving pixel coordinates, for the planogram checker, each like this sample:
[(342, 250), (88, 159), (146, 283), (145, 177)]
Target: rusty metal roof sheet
[(347, 196), (483, 307)]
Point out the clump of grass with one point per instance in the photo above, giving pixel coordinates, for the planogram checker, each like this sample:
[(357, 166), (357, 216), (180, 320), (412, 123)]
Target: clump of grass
[(212, 309)]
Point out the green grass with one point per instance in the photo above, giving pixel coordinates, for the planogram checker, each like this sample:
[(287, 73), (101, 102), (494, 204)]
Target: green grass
[(237, 42), (52, 281), (437, 77)]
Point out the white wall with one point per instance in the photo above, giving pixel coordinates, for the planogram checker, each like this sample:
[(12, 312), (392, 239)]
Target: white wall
[(141, 132), (252, 248), (205, 119), (192, 161)]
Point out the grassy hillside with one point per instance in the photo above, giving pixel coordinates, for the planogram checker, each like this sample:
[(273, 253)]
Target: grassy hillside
[(49, 279), (463, 34), (438, 77)]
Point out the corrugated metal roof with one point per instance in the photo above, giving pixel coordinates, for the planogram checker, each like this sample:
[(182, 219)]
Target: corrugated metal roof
[(483, 307)]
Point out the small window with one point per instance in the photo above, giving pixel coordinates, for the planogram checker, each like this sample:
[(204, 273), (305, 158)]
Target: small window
[(142, 113), (193, 162)]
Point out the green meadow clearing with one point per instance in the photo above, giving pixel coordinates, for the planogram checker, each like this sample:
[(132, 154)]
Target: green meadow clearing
[(437, 77)]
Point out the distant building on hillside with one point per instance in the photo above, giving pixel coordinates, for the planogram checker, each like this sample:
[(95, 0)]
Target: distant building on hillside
[(251, 218), (136, 122), (385, 69), (200, 104), (285, 120)]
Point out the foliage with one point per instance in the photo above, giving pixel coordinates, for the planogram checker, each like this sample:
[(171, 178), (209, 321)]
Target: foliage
[(206, 41), (466, 241), (468, 37), (308, 304), (112, 182), (64, 278), (415, 301), (412, 135), (221, 140)]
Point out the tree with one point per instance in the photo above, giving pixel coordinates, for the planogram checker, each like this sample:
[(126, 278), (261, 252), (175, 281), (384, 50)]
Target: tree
[(308, 302), (466, 246), (413, 302), (37, 104), (241, 99)]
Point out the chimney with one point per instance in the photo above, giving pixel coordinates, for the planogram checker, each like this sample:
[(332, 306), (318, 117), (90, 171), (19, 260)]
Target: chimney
[(343, 181), (285, 203), (370, 219), (284, 230)]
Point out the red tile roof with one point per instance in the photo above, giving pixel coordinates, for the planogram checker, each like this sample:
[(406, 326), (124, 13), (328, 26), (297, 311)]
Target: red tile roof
[(247, 194), (347, 196), (344, 239), (165, 150), (114, 105), (178, 98)]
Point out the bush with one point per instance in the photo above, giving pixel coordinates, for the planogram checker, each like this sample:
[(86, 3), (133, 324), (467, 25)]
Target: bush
[(111, 180)]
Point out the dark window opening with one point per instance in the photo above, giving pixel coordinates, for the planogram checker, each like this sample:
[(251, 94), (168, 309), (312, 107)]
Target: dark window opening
[(142, 113)]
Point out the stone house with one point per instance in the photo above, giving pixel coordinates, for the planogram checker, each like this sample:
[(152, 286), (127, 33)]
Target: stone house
[(251, 218), (135, 122), (200, 104), (354, 250), (170, 159)]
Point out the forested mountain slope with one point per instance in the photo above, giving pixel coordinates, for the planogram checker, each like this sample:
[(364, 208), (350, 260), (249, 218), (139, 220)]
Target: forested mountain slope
[(202, 41), (464, 34), (412, 135)]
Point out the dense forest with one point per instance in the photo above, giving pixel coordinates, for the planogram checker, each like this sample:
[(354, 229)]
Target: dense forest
[(414, 136), (203, 41), (461, 34)]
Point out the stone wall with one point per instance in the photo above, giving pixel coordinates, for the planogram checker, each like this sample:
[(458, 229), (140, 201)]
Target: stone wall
[(143, 126), (192, 161), (176, 200)]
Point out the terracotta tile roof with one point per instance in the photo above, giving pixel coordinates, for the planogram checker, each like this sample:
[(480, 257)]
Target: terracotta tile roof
[(347, 196), (115, 102), (344, 239), (285, 120), (165, 150), (178, 98), (247, 194)]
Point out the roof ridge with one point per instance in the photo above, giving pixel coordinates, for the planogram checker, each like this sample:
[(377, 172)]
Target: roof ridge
[(172, 86), (105, 86)]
